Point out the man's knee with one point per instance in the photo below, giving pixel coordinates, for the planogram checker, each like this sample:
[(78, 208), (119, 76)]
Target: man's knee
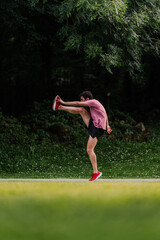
[(89, 150), (81, 110)]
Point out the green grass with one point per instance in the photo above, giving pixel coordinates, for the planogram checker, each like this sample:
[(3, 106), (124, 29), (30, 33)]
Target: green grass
[(114, 211), (116, 159), (42, 144)]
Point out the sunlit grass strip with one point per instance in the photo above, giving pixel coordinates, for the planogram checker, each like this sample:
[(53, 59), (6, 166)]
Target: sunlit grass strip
[(79, 210), (100, 191)]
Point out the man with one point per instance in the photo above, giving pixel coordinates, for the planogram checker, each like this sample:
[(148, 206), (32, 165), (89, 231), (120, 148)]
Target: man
[(96, 122)]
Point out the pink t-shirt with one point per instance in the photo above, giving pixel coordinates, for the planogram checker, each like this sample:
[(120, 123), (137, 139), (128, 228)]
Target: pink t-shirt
[(98, 113)]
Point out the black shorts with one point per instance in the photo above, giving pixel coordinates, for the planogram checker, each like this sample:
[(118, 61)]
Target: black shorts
[(94, 131)]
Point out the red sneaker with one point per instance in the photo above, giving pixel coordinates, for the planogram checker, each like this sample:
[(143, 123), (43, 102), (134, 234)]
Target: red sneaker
[(55, 104), (95, 176)]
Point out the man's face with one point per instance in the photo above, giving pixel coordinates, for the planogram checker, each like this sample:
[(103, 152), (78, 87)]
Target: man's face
[(82, 99)]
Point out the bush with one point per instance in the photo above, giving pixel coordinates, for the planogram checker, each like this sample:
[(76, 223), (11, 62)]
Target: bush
[(125, 127), (43, 142)]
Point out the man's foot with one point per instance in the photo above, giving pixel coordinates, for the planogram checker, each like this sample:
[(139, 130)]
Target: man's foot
[(95, 176), (55, 104)]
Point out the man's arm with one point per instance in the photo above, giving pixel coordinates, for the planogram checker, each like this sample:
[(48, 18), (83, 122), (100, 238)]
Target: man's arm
[(74, 103), (109, 130)]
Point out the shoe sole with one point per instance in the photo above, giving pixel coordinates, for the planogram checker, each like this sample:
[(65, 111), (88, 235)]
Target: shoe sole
[(54, 104), (97, 177)]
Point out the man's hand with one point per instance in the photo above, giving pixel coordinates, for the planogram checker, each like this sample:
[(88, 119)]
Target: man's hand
[(59, 100), (109, 130)]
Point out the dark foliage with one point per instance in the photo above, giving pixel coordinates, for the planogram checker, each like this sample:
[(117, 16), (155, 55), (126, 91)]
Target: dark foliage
[(65, 47)]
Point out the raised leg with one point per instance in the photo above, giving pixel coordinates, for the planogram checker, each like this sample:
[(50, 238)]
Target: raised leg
[(77, 110), (90, 150)]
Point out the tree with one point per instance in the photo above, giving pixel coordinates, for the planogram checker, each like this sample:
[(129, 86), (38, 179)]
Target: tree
[(56, 46), (117, 34)]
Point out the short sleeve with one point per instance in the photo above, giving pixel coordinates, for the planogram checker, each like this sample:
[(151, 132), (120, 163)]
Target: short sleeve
[(90, 103)]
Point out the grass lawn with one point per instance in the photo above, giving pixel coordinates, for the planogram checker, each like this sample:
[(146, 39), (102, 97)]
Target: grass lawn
[(30, 149), (79, 210), (116, 159)]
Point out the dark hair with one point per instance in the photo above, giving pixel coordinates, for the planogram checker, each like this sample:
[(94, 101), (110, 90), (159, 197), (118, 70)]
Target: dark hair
[(86, 94)]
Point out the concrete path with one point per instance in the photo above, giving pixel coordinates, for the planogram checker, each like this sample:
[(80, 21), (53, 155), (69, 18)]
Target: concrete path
[(79, 180)]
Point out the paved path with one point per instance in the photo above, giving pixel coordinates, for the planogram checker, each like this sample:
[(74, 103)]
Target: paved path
[(79, 180)]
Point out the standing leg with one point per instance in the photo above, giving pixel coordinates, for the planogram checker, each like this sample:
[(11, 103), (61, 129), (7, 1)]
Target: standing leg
[(91, 141), (90, 150), (77, 110)]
